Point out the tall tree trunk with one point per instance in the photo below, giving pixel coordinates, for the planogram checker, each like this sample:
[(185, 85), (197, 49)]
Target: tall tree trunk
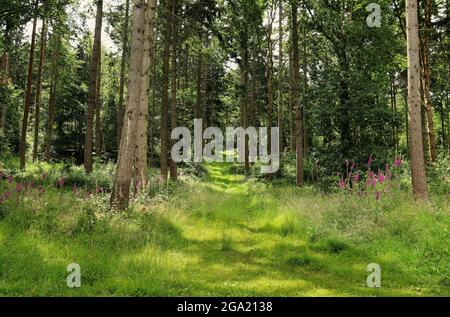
[(291, 99), (269, 64), (121, 188), (165, 90), (98, 122), (304, 93), (94, 74), (173, 111), (4, 75), (204, 85), (427, 80), (442, 115), (26, 108), (151, 137), (244, 95), (52, 98), (415, 126), (4, 66), (199, 99), (295, 95), (280, 77), (121, 107), (405, 101), (37, 109), (140, 159)]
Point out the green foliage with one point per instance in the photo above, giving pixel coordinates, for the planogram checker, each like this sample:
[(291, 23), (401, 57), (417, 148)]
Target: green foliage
[(438, 175), (4, 146)]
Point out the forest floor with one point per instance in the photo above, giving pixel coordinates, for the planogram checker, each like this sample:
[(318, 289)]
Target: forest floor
[(225, 236)]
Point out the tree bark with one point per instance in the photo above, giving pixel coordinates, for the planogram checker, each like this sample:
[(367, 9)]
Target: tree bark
[(415, 126), (295, 95), (244, 96), (304, 93), (26, 108), (121, 188), (427, 80), (165, 91), (269, 64), (151, 153), (37, 109), (173, 112), (121, 107), (199, 103), (52, 98), (98, 104), (94, 74), (4, 75), (140, 159), (280, 77), (291, 99)]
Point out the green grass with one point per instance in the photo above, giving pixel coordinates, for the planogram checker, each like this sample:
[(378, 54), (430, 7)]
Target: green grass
[(225, 235)]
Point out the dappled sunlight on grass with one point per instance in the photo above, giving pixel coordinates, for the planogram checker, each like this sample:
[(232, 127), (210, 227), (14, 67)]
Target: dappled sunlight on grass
[(226, 236)]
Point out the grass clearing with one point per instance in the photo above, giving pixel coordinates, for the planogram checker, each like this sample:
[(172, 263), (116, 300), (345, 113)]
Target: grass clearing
[(225, 236)]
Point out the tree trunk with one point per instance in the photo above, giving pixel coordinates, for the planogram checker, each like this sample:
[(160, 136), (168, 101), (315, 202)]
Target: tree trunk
[(291, 96), (173, 113), (165, 91), (415, 126), (151, 137), (121, 107), (269, 63), (280, 77), (94, 74), (121, 188), (37, 110), (304, 93), (199, 103), (140, 159), (4, 76), (243, 106), (442, 115), (204, 85), (296, 101), (26, 108), (427, 80), (52, 98), (98, 104)]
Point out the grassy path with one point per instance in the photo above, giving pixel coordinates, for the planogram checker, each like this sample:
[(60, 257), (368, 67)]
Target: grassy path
[(220, 237)]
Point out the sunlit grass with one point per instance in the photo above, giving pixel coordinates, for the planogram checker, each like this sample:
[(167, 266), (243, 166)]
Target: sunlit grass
[(225, 236)]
